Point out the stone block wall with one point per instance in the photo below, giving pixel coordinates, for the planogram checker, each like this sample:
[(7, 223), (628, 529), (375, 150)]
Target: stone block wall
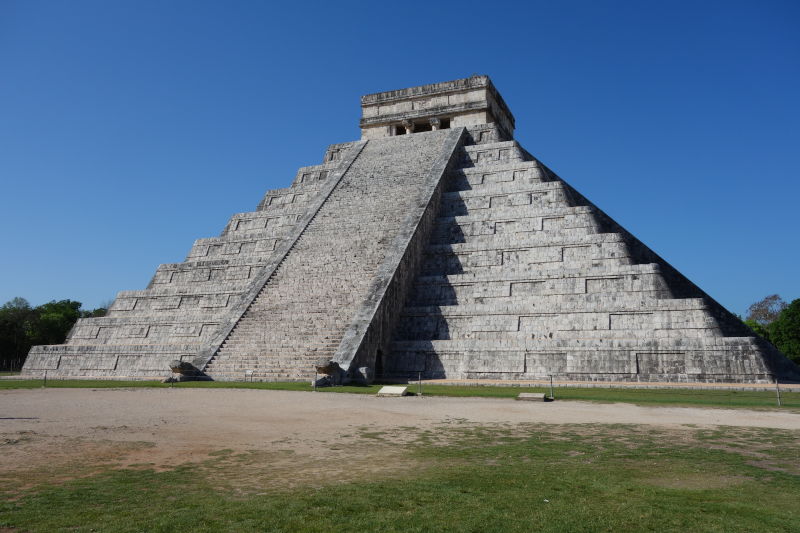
[(466, 102), (524, 278)]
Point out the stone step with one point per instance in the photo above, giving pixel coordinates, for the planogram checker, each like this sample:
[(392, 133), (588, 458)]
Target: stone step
[(289, 367), (520, 212), (256, 348), (443, 265), (504, 188), (532, 303), (492, 239), (594, 338), (517, 274), (266, 378), (267, 348), (562, 304), (265, 361), (526, 241), (539, 344)]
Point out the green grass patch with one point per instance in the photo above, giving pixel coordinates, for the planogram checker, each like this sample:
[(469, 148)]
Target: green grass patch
[(686, 397), (468, 478), (675, 397)]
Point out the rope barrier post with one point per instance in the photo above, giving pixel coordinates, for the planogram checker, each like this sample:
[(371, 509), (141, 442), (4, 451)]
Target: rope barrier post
[(552, 396), (314, 385), (45, 379), (419, 383), (778, 391)]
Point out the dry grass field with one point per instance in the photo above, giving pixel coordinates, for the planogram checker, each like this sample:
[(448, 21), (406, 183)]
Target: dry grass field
[(190, 459)]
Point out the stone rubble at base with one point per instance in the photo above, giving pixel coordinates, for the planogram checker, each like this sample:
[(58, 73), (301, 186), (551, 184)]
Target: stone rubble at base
[(434, 247)]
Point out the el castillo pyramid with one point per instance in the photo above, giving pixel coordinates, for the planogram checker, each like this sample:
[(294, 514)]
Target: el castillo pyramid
[(435, 246)]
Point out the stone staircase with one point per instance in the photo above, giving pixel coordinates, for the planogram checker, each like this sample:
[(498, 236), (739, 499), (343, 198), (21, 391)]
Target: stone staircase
[(300, 315)]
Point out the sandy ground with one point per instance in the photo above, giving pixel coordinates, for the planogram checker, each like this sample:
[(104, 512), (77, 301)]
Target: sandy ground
[(46, 428)]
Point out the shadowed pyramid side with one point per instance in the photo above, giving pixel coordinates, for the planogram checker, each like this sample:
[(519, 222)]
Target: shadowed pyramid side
[(525, 278)]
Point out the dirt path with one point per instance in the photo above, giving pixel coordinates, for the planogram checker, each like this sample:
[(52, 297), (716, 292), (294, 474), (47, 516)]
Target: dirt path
[(167, 427)]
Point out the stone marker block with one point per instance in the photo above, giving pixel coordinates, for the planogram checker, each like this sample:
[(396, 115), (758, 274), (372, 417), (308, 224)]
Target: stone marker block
[(532, 397), (393, 391)]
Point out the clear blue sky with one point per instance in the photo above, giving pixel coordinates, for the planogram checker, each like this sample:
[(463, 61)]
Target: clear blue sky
[(130, 128)]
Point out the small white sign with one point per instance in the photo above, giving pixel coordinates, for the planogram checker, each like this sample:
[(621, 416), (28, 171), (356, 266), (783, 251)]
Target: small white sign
[(393, 391), (531, 396)]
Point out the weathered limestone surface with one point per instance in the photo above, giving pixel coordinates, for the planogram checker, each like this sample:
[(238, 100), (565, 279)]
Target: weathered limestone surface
[(524, 278), (435, 245), (300, 316), (470, 101), (187, 303)]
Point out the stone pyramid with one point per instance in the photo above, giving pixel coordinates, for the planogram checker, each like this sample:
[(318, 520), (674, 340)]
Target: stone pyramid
[(435, 245)]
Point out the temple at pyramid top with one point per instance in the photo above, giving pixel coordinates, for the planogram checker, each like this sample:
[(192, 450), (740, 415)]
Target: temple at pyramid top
[(450, 104)]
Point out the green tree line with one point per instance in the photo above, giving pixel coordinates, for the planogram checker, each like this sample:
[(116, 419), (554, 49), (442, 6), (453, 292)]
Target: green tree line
[(23, 326), (778, 322)]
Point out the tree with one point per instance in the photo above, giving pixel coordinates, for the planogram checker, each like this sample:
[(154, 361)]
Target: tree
[(94, 313), (22, 326), (785, 331), (100, 311), (14, 343), (53, 321), (767, 310), (758, 329)]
